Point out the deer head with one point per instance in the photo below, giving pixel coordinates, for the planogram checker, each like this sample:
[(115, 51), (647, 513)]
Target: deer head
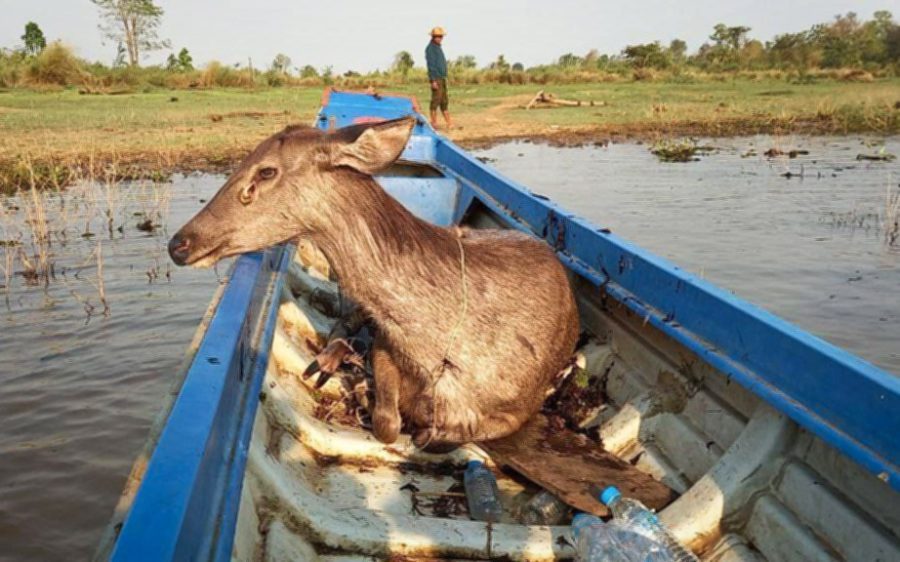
[(287, 187)]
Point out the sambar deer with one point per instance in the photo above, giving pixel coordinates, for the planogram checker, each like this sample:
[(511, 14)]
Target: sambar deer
[(472, 325)]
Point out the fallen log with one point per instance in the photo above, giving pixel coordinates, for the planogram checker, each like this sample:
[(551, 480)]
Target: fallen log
[(543, 99)]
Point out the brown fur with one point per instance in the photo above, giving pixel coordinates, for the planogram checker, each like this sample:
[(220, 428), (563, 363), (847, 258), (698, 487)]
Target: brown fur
[(521, 322)]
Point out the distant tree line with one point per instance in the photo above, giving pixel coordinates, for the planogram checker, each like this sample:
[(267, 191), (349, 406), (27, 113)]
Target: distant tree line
[(845, 47)]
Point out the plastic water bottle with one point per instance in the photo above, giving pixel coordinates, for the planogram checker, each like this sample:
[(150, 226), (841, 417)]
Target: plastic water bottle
[(482, 493), (616, 541), (544, 509), (644, 520)]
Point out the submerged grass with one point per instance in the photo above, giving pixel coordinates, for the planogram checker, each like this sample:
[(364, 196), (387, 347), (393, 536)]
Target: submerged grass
[(892, 217)]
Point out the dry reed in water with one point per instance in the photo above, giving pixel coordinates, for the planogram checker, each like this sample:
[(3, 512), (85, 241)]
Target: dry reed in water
[(892, 216)]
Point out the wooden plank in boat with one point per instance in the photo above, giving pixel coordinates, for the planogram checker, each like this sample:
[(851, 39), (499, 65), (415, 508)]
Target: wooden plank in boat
[(573, 468)]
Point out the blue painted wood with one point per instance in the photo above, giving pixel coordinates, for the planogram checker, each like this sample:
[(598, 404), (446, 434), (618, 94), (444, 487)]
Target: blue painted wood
[(187, 504), (430, 199)]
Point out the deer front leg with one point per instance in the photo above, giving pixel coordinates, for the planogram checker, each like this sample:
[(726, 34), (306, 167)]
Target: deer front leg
[(386, 414), (348, 342)]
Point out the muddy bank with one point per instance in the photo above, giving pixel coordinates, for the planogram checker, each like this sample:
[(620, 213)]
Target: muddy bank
[(652, 131), (56, 169)]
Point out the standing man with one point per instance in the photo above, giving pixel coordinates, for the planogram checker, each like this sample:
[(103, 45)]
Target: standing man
[(437, 75)]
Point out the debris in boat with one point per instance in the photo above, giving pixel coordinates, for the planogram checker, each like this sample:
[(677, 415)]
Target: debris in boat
[(545, 100), (571, 466), (544, 509), (485, 159), (482, 493), (578, 396), (774, 152), (451, 503), (879, 157)]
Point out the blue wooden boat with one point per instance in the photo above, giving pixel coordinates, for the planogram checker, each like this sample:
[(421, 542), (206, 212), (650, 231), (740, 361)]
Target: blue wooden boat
[(780, 445)]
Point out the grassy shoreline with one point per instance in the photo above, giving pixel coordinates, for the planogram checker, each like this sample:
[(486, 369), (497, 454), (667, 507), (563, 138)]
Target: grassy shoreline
[(65, 135)]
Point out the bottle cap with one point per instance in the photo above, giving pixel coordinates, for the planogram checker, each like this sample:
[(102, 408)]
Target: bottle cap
[(474, 464), (609, 494), (582, 521)]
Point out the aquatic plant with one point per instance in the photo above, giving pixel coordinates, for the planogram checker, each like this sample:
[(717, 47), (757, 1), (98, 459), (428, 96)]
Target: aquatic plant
[(892, 216), (38, 266), (678, 151)]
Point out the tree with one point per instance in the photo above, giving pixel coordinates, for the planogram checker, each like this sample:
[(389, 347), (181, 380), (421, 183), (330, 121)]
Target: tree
[(841, 41), (328, 76), (309, 71), (34, 39), (647, 55), (728, 43), (500, 64), (464, 61), (182, 63), (119, 61), (185, 61), (403, 63), (731, 37), (281, 63), (134, 23), (569, 60), (518, 67), (892, 44), (677, 50)]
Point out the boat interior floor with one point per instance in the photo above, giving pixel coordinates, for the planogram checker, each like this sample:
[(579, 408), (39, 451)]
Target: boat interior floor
[(751, 485)]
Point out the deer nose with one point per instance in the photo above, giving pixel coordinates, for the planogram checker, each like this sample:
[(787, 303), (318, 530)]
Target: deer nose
[(179, 249)]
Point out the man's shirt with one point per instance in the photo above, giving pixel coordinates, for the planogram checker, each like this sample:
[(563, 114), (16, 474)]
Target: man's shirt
[(437, 64)]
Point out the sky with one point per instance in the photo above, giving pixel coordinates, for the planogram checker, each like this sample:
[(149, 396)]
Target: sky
[(365, 35)]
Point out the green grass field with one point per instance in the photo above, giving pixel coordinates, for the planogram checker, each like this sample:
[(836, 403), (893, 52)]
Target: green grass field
[(201, 129)]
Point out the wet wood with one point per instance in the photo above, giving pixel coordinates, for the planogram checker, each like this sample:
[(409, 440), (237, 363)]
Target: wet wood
[(544, 99), (537, 97), (573, 467)]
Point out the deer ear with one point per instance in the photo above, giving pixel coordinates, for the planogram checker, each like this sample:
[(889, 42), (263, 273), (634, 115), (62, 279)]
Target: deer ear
[(377, 147)]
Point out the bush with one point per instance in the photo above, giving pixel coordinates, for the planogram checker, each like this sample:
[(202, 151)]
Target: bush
[(55, 65), (216, 74)]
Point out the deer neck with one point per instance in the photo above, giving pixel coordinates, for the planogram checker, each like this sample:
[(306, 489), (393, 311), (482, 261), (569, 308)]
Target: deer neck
[(388, 260)]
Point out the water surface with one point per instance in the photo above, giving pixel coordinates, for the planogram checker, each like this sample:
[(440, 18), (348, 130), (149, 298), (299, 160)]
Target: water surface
[(77, 392), (809, 247)]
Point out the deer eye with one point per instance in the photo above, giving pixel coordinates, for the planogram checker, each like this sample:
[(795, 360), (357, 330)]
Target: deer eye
[(267, 173), (248, 194)]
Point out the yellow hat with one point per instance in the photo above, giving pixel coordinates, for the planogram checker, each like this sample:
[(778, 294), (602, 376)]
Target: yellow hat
[(438, 32)]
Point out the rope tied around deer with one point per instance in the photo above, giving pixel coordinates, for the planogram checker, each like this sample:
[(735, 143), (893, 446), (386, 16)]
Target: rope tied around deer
[(437, 372)]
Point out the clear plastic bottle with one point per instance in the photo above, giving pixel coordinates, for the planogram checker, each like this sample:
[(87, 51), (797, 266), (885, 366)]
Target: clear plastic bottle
[(482, 493), (616, 541), (544, 509), (636, 513)]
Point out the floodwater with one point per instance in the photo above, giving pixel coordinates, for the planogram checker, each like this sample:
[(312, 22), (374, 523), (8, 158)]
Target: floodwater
[(78, 391), (810, 249)]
